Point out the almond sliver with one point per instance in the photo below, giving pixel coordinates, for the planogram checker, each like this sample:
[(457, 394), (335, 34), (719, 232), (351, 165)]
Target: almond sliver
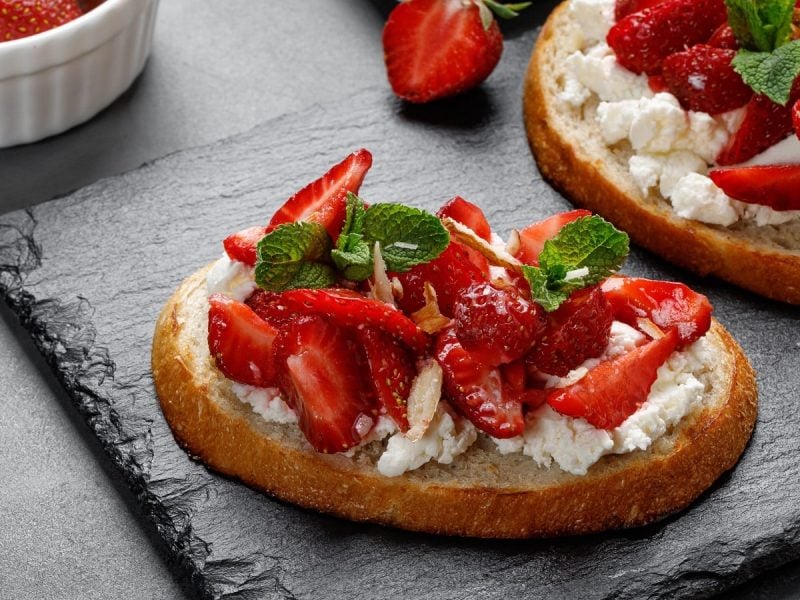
[(429, 318), (423, 399), (495, 256)]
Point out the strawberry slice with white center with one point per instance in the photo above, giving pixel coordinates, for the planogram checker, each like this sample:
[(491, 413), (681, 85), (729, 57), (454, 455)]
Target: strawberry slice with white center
[(320, 379), (667, 304), (616, 388), (476, 390), (392, 372), (345, 307), (438, 48), (642, 40), (533, 237), (323, 201), (240, 342), (776, 186)]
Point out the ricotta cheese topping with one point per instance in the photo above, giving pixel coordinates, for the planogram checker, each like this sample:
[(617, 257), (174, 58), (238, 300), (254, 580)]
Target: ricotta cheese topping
[(673, 148), (231, 278)]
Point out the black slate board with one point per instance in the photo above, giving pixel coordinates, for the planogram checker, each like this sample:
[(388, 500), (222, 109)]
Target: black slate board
[(88, 273)]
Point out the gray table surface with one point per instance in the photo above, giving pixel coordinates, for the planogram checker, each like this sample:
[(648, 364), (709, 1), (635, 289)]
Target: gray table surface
[(69, 528)]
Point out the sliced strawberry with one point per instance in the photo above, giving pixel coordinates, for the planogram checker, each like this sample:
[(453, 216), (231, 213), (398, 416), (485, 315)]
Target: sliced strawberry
[(623, 8), (476, 390), (348, 308), (324, 200), (765, 124), (438, 48), (450, 274), (269, 307), (533, 237), (577, 330), (796, 118), (702, 79), (23, 18), (724, 37), (392, 372), (614, 389), (776, 186), (468, 214), (657, 84), (644, 39), (240, 342), (496, 325), (242, 245), (667, 304), (320, 379)]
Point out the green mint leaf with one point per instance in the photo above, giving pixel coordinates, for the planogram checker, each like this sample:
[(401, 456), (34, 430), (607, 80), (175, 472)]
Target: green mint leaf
[(583, 253), (506, 11), (590, 243), (408, 236), (770, 73), (352, 254), (292, 256), (761, 25), (354, 219)]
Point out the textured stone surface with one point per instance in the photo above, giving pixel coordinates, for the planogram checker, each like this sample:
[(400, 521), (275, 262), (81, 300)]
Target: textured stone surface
[(87, 275)]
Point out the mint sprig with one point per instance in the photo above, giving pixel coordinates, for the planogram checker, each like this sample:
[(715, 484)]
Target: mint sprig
[(294, 256), (761, 25), (770, 73), (352, 254), (583, 253)]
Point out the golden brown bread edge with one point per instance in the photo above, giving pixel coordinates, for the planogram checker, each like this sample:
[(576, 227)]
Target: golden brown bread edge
[(629, 490), (706, 250)]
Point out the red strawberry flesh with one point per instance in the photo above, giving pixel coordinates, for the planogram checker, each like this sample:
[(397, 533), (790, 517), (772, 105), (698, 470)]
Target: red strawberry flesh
[(23, 18), (667, 304), (533, 237), (242, 245), (468, 214), (615, 389), (240, 342), (642, 40), (776, 186), (796, 118), (320, 379), (724, 38), (476, 390), (623, 8)]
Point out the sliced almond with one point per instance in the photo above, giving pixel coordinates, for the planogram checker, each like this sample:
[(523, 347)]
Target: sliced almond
[(382, 288), (426, 390), (495, 256), (429, 318), (650, 328)]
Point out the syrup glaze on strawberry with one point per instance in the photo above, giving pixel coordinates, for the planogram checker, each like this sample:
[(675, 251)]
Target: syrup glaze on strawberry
[(342, 358)]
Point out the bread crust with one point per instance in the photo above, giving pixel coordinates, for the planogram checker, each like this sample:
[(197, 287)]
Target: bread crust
[(626, 490), (585, 178)]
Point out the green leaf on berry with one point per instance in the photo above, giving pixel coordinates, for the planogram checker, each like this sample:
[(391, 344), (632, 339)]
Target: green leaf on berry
[(294, 256), (583, 253), (506, 11), (352, 254), (408, 236), (761, 25), (770, 73)]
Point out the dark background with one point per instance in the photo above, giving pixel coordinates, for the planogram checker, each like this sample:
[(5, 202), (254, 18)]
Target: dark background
[(68, 526)]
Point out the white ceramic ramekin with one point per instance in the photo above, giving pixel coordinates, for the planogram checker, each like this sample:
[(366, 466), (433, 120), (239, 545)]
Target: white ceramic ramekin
[(57, 79)]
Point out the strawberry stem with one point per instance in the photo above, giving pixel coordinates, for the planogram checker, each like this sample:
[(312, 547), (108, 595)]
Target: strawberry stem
[(505, 11)]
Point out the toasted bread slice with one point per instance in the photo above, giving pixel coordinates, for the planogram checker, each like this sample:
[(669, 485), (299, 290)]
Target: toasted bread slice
[(573, 157), (483, 493)]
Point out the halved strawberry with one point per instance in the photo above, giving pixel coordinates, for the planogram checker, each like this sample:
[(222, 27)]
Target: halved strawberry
[(438, 48), (702, 79), (644, 39), (242, 245), (614, 389), (348, 308), (240, 342), (468, 214), (776, 186), (533, 237), (765, 124), (23, 18), (577, 330), (667, 304), (320, 379), (323, 201), (392, 371), (724, 37), (496, 325), (796, 118), (450, 274), (623, 8), (476, 389)]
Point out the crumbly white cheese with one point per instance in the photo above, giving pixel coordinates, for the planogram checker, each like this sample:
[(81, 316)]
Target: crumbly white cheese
[(669, 143), (442, 442), (266, 402), (231, 278), (575, 445)]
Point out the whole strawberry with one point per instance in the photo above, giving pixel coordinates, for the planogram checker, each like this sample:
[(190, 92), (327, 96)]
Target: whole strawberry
[(439, 48), (23, 18)]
